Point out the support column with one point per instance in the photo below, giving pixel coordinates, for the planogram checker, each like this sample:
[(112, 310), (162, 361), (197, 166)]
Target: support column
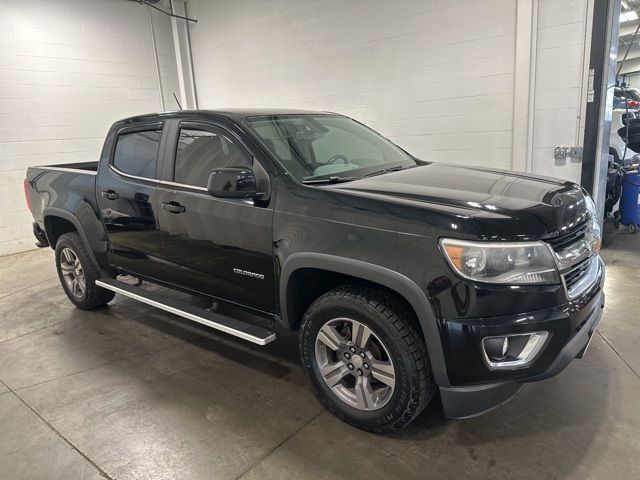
[(182, 45), (155, 59), (524, 84), (602, 65)]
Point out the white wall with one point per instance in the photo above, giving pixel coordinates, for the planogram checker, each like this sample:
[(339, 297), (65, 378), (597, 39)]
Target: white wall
[(166, 58), (68, 70), (564, 38), (436, 76)]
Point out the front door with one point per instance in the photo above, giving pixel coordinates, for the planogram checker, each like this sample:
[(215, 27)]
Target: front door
[(218, 247), (126, 193)]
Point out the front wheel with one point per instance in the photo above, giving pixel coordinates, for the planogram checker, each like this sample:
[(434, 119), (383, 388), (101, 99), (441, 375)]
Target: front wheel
[(78, 273), (363, 354)]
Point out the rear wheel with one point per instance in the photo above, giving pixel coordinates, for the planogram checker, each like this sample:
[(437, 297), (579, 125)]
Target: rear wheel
[(365, 358), (78, 273)]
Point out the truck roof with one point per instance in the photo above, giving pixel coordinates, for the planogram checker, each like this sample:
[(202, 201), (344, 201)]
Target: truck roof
[(234, 113)]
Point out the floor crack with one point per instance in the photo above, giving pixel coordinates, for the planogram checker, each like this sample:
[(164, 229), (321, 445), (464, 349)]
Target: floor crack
[(618, 354), (35, 330), (293, 434), (105, 364), (62, 437), (27, 288)]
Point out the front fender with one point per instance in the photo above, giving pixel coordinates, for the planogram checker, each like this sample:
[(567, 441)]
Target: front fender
[(395, 281)]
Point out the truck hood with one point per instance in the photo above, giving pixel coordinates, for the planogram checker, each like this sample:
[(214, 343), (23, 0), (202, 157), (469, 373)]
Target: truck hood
[(505, 204)]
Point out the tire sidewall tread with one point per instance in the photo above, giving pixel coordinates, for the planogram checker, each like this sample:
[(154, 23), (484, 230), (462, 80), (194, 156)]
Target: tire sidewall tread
[(94, 296), (396, 327)]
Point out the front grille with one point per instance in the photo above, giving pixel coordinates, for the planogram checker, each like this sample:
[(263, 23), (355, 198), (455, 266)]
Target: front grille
[(578, 271), (567, 239)]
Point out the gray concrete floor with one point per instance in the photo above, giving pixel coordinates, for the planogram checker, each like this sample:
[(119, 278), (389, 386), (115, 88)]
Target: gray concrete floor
[(129, 392)]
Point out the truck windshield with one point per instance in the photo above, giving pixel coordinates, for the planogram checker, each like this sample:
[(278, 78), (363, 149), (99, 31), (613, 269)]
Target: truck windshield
[(313, 148)]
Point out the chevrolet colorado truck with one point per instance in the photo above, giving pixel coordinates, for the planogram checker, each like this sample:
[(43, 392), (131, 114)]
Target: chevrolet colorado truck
[(402, 277)]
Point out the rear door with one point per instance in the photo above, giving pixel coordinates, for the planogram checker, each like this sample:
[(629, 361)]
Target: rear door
[(220, 247), (126, 192)]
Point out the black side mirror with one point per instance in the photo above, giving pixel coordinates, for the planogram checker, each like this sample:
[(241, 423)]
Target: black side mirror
[(232, 182)]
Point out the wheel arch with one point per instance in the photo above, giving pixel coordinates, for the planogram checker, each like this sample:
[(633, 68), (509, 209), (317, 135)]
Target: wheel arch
[(404, 287), (58, 222)]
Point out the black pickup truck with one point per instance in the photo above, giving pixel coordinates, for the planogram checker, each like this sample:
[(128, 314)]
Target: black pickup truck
[(403, 277)]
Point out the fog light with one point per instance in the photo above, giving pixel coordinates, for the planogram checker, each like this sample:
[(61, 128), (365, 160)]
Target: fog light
[(512, 351), (496, 347)]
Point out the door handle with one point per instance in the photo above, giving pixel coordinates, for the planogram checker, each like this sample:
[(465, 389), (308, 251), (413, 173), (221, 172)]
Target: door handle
[(110, 195), (173, 207)]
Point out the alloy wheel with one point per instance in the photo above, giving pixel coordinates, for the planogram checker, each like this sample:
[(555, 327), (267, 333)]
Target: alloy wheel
[(72, 272), (355, 364)]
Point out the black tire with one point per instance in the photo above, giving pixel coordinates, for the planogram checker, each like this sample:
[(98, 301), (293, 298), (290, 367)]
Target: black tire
[(394, 325), (632, 228), (93, 296), (614, 153)]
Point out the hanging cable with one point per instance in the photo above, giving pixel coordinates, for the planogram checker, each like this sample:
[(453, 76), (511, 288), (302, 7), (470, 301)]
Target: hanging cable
[(635, 34), (626, 122), (624, 93), (148, 4)]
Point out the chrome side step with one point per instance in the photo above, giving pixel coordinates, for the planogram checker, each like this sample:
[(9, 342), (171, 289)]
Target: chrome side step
[(232, 326)]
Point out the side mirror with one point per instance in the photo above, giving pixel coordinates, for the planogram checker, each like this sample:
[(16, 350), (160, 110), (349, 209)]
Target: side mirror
[(232, 182)]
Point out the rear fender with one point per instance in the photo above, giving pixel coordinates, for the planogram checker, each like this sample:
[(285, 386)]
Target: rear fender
[(88, 226)]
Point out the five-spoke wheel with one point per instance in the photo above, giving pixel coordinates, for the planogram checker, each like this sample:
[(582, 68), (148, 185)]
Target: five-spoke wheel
[(72, 272), (355, 364), (362, 350), (78, 273)]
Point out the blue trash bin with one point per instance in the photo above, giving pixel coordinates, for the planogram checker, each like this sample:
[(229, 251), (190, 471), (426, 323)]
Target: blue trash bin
[(630, 201)]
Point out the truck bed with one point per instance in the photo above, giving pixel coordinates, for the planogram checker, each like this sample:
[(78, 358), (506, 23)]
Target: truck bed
[(69, 187), (84, 166)]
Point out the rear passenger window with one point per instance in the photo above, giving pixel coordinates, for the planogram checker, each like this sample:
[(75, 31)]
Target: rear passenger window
[(137, 153), (200, 151)]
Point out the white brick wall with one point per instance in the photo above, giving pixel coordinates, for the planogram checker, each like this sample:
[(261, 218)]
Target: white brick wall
[(166, 58), (560, 84), (68, 70), (436, 76)]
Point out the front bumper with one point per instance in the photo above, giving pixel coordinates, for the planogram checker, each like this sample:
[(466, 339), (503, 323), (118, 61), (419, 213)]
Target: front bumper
[(582, 315)]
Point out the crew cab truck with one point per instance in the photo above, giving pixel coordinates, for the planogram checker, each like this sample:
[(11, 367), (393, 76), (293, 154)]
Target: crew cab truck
[(403, 277)]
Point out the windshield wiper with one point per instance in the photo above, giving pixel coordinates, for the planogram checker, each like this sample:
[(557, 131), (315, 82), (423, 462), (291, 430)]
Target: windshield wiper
[(311, 181), (336, 179), (385, 170)]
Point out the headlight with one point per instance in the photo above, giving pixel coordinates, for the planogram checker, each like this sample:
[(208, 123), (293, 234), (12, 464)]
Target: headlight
[(593, 234), (512, 263)]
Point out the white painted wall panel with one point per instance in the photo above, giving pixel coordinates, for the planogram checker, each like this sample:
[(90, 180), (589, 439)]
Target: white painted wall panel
[(68, 70), (434, 76), (563, 38), (437, 77)]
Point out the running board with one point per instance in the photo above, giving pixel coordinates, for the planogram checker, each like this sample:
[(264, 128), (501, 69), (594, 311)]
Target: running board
[(232, 326)]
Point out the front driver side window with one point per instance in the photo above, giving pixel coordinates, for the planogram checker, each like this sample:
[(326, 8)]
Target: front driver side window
[(201, 150)]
